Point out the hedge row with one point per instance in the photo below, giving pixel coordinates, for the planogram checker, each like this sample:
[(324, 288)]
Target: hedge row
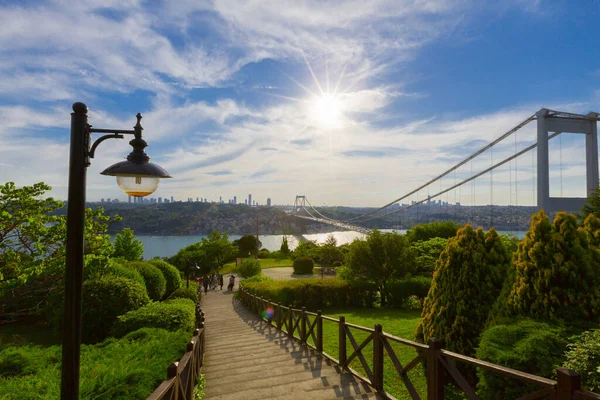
[(315, 294), (398, 292)]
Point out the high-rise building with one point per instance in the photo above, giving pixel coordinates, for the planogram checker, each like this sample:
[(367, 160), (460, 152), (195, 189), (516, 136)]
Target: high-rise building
[(129, 198), (234, 199), (220, 199), (268, 202), (249, 199), (172, 200), (246, 201), (101, 200)]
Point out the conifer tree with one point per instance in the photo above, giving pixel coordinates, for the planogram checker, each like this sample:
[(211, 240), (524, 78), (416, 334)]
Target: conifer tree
[(467, 279), (556, 273)]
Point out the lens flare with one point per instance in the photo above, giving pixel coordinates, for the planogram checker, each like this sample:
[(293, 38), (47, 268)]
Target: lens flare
[(268, 313)]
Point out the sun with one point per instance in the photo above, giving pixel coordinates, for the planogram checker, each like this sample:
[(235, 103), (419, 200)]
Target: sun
[(326, 111)]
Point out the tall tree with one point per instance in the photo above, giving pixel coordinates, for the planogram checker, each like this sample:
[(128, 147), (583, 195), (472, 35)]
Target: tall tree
[(127, 246), (247, 245), (380, 258), (329, 253), (218, 249), (285, 249)]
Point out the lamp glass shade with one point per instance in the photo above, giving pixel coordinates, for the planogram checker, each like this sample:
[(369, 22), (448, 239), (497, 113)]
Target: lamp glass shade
[(138, 186)]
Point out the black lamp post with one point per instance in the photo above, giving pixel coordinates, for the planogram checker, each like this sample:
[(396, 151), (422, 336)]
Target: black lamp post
[(136, 176)]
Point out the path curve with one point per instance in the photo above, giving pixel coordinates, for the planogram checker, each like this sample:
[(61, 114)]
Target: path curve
[(245, 358)]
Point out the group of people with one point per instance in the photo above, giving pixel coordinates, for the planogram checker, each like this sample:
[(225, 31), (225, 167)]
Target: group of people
[(212, 281)]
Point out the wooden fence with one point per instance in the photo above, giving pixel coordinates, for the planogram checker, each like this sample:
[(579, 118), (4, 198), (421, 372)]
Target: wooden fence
[(441, 367), (183, 375)]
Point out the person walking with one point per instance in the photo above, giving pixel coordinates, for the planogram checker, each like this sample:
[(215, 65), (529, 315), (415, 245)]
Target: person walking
[(231, 283), (221, 280), (205, 283)]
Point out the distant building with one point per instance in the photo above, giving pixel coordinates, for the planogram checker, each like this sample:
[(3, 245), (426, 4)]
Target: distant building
[(129, 199), (234, 199), (172, 199), (246, 201), (101, 200), (249, 199), (268, 202)]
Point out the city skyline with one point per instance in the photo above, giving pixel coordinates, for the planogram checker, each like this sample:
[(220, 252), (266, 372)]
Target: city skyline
[(283, 99)]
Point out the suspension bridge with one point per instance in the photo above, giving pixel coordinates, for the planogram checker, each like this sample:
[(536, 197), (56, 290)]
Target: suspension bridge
[(455, 181)]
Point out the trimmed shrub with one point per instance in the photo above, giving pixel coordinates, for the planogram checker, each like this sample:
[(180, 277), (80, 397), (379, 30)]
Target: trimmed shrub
[(583, 356), (303, 265), (171, 274), (466, 282), (156, 284), (185, 293), (398, 292), (258, 278), (104, 300), (99, 267), (315, 294), (249, 267), (556, 275), (264, 253), (172, 315), (526, 345), (127, 369)]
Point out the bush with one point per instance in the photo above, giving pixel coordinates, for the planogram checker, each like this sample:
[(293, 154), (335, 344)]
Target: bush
[(526, 345), (315, 294), (427, 252), (264, 253), (258, 278), (99, 267), (583, 356), (185, 293), (399, 292), (126, 369), (467, 280), (278, 255), (172, 315), (156, 284), (104, 300), (303, 265), (249, 267), (556, 274), (171, 274), (442, 229)]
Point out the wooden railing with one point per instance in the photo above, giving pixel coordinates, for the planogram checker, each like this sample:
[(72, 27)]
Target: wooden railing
[(440, 364), (183, 375)]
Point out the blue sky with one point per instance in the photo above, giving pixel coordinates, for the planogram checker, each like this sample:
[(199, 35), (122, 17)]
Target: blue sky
[(348, 102)]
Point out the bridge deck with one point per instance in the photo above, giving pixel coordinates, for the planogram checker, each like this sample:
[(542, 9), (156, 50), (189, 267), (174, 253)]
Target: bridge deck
[(247, 359)]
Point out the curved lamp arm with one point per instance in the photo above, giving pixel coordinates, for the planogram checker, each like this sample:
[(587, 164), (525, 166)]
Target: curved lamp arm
[(100, 140)]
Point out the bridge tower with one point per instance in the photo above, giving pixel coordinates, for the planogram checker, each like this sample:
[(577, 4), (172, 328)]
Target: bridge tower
[(548, 121), (299, 202)]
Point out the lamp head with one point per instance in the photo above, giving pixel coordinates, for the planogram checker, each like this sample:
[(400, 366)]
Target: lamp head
[(137, 176)]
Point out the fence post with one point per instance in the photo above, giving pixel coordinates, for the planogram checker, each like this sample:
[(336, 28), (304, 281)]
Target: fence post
[(290, 323), (319, 344), (378, 358), (342, 341), (191, 376), (172, 373), (567, 382), (278, 316), (435, 370), (303, 327)]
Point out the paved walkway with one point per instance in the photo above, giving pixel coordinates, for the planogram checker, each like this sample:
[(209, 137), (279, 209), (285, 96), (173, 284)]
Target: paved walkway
[(247, 359)]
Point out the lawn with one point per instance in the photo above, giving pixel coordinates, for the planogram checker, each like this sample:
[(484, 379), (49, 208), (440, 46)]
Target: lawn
[(401, 323), (264, 263)]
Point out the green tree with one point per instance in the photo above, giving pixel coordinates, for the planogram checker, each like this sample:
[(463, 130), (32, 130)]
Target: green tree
[(592, 205), (380, 258), (246, 245), (32, 246), (285, 249), (466, 282), (329, 253), (127, 246), (218, 249), (557, 273), (427, 253), (307, 248), (441, 229)]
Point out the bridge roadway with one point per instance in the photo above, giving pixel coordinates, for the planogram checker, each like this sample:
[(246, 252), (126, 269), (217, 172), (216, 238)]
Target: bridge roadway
[(335, 223), (247, 359)]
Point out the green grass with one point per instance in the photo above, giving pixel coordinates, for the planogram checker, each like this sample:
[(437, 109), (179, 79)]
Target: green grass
[(129, 368), (264, 263), (401, 323), (28, 331)]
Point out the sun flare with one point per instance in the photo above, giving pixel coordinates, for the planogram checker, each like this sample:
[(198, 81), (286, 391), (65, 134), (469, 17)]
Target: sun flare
[(326, 111)]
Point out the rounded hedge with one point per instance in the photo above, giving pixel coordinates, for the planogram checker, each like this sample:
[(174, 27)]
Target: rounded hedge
[(104, 300), (264, 253), (249, 267), (185, 293), (524, 345), (156, 284), (172, 315), (303, 265), (171, 274)]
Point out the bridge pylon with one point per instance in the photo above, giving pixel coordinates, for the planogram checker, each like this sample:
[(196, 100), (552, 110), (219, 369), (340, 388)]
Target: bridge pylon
[(299, 203), (551, 121)]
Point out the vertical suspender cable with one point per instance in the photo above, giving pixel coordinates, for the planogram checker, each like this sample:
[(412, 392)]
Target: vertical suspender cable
[(516, 213), (491, 188), (560, 161)]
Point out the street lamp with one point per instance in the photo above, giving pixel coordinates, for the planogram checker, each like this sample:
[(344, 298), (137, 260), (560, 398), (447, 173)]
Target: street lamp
[(136, 176), (195, 269)]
